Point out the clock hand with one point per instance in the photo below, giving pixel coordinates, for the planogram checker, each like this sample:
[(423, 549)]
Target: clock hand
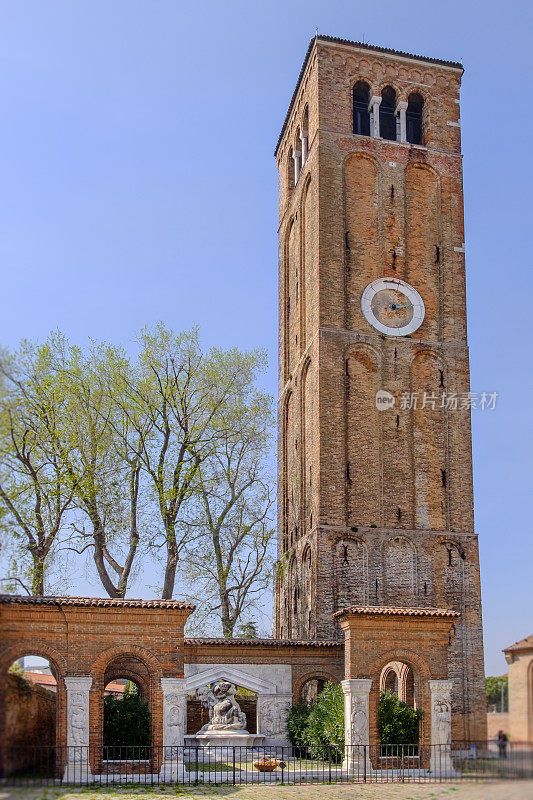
[(395, 307)]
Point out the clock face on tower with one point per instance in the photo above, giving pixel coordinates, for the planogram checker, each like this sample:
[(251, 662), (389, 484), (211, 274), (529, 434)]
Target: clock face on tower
[(392, 306)]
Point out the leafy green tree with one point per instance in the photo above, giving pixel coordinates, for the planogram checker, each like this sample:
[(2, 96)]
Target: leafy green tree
[(80, 471), (248, 630), (36, 493), (497, 691), (398, 723), (230, 556)]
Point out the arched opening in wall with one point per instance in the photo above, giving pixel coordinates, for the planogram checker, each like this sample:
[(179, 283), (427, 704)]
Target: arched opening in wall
[(398, 715), (198, 711), (387, 114), (361, 113), (126, 723), (311, 689), (31, 718), (397, 678), (414, 118)]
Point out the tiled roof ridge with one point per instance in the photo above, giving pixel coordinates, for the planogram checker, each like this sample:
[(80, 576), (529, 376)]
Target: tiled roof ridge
[(198, 640), (373, 47), (401, 611), (117, 602), (522, 644)]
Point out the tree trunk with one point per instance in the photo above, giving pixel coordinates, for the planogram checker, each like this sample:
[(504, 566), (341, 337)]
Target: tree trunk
[(171, 567), (37, 575), (99, 544)]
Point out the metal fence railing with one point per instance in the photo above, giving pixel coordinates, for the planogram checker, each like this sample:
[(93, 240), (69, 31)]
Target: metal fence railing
[(78, 766)]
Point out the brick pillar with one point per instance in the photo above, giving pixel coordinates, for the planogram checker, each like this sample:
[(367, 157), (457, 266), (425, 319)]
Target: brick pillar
[(174, 724), (78, 767), (441, 728), (356, 724)]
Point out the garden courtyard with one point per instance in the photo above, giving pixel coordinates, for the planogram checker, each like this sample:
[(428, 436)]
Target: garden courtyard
[(496, 790)]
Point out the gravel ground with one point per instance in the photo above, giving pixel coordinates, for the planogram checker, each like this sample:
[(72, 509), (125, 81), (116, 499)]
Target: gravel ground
[(509, 790)]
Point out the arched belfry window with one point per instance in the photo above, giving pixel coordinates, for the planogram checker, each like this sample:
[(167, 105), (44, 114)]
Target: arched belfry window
[(387, 114), (361, 114), (415, 107)]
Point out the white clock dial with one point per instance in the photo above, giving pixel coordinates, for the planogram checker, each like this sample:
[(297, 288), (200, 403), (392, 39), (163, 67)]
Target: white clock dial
[(392, 306)]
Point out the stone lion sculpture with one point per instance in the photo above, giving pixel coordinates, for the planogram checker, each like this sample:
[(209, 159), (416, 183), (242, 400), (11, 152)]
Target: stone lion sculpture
[(224, 711)]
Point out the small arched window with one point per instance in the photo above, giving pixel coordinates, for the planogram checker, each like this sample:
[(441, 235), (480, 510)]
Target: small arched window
[(361, 114), (415, 106), (387, 114), (290, 170)]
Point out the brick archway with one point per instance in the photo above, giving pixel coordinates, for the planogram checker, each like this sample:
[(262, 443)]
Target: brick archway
[(318, 675), (57, 663), (129, 661), (421, 673)]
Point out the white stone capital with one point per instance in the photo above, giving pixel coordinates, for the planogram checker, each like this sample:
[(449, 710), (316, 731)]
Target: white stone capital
[(375, 100), (79, 683), (173, 685), (358, 686), (401, 105), (441, 686)]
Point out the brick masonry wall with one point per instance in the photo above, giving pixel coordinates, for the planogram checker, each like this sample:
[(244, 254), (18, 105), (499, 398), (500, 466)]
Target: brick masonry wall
[(30, 714), (520, 694), (375, 507)]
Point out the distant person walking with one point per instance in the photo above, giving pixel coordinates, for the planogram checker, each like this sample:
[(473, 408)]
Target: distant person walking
[(502, 740)]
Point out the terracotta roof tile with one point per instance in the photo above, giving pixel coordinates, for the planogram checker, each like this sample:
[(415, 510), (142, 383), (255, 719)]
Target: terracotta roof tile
[(38, 677), (363, 46), (399, 611), (523, 644), (198, 640), (113, 602)]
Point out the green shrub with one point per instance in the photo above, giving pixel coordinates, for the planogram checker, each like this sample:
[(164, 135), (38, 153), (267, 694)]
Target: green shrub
[(398, 723), (317, 729), (325, 724), (297, 717)]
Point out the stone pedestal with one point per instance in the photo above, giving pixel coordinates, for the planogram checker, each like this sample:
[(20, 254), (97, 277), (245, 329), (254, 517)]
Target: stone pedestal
[(174, 722), (356, 724), (78, 766), (220, 744), (441, 728)]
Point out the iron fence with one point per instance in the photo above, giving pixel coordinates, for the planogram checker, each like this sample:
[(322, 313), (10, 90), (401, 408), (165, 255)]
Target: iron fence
[(39, 766)]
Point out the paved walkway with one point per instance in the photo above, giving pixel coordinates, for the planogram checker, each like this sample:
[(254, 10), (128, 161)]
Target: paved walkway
[(511, 790)]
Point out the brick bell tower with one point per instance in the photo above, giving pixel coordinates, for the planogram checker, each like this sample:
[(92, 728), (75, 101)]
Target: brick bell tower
[(375, 498)]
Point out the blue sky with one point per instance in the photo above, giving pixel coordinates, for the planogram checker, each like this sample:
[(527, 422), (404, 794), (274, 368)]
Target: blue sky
[(138, 184)]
